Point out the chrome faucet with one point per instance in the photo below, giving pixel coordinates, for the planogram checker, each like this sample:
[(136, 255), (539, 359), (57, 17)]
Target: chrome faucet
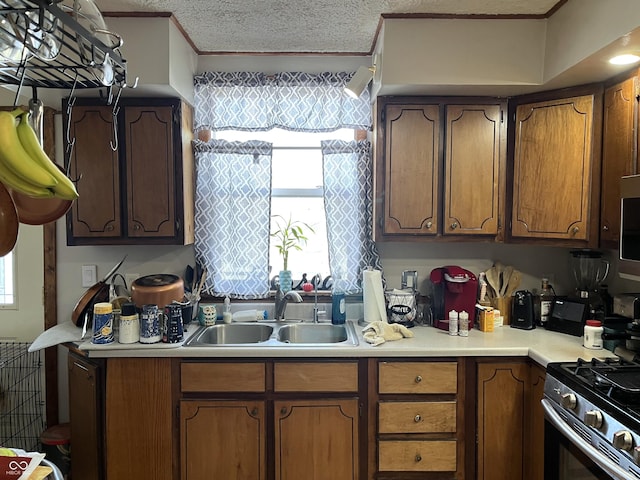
[(282, 299)]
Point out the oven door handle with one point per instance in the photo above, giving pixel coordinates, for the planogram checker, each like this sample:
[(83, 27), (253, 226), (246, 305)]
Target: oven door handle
[(598, 458)]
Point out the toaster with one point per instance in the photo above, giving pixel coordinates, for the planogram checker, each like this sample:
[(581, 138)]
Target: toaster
[(522, 312)]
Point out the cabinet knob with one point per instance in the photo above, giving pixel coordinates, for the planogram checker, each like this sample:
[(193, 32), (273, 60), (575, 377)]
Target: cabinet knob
[(109, 228), (417, 418), (429, 224), (283, 410), (254, 412), (418, 379), (605, 228), (418, 457), (454, 225), (575, 230), (136, 227)]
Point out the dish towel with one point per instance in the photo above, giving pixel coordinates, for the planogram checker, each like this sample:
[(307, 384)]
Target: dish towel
[(379, 332)]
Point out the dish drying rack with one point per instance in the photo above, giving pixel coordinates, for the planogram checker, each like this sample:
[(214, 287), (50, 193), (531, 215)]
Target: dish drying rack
[(81, 54)]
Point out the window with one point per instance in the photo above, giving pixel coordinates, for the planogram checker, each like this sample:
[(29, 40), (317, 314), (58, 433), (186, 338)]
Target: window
[(297, 190), (7, 281)]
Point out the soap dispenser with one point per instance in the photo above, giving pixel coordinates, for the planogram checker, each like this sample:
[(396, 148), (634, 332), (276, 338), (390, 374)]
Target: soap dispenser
[(226, 314)]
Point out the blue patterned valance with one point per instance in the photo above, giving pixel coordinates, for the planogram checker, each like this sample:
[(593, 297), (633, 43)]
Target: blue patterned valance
[(294, 101)]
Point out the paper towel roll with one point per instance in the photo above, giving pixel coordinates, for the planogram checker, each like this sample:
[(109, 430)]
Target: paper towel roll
[(373, 296)]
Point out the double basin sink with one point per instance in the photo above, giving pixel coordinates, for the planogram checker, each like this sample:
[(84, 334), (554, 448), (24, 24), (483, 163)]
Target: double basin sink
[(274, 333)]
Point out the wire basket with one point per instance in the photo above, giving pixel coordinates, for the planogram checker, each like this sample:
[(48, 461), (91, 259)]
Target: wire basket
[(22, 411)]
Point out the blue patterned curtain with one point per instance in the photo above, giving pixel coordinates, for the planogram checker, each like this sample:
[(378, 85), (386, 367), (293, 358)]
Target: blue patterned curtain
[(348, 202), (233, 210), (291, 100)]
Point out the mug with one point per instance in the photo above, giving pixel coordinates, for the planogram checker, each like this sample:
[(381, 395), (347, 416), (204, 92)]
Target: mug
[(150, 324)]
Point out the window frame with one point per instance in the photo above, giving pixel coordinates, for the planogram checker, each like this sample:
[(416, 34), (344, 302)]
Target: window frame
[(13, 271)]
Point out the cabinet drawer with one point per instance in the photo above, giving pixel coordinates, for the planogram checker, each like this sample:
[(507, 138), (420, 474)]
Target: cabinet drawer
[(222, 377), (420, 456), (416, 417), (417, 377), (316, 377)]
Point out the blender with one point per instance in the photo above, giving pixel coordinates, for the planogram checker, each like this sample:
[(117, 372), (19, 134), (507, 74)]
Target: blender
[(589, 271)]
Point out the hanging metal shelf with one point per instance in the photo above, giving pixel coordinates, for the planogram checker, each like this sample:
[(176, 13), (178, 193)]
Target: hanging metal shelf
[(43, 46)]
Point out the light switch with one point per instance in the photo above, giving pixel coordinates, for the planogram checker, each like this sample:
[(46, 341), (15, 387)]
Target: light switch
[(89, 275)]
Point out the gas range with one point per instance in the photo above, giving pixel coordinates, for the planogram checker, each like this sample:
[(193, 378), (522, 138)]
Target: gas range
[(599, 400)]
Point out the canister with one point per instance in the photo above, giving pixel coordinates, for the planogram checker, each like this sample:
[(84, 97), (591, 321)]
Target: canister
[(173, 330), (102, 323), (150, 324)]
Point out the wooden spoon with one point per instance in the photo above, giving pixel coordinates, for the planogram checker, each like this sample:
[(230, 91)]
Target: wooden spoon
[(514, 282), (8, 222), (493, 280), (506, 278)]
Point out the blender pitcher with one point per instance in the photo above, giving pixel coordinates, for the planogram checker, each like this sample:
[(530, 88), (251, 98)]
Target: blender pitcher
[(589, 269)]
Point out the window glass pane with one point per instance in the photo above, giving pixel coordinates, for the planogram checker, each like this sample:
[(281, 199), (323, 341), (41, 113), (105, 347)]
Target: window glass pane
[(297, 168), (314, 257), (7, 281)]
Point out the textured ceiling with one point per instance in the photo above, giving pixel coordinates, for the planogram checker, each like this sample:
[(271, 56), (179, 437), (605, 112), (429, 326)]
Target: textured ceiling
[(305, 26)]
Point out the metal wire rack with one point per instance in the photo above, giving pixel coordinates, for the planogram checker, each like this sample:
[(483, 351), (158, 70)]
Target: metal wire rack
[(22, 412)]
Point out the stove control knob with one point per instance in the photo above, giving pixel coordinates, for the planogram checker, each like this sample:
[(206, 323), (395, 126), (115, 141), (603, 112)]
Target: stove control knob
[(593, 418), (623, 440), (568, 400)]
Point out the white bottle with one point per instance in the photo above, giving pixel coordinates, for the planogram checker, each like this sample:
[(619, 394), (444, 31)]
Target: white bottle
[(593, 335), (463, 327), (453, 322), (226, 315)]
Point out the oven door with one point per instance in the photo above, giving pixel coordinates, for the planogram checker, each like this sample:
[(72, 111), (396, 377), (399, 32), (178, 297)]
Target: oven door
[(567, 456)]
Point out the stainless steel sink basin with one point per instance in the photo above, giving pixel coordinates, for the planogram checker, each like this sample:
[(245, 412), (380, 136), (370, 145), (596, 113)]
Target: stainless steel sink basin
[(231, 334), (270, 333)]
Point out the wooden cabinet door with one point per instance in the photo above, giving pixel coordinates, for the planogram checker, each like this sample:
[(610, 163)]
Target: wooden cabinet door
[(140, 419), (85, 394), (553, 159), (618, 154), (151, 172), (316, 439), (534, 458), (96, 213), (502, 390), (473, 162), (222, 439), (411, 169)]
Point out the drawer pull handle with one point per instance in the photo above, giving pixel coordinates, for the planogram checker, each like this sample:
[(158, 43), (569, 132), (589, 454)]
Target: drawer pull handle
[(418, 379), (418, 458), (417, 418)]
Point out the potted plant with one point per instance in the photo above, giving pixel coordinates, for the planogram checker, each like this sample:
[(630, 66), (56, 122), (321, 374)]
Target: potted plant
[(290, 234)]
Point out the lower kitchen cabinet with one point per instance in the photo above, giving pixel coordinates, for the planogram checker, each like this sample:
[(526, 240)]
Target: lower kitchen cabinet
[(316, 439), (233, 413), (420, 412), (510, 421), (86, 389), (222, 439)]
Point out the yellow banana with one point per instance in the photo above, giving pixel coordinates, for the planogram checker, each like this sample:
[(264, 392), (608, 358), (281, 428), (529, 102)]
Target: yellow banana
[(18, 184), (15, 158), (65, 188)]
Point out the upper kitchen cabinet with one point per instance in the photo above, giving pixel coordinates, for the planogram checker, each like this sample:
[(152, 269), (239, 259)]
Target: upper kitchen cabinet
[(439, 167), (556, 168), (134, 171), (619, 153)]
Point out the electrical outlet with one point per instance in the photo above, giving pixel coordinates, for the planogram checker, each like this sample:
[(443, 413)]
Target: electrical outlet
[(89, 275), (130, 277)]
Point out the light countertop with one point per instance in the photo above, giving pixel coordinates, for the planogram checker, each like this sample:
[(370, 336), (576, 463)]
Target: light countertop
[(540, 345)]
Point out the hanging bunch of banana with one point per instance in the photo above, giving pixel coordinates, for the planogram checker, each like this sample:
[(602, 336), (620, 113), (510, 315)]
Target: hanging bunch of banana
[(24, 165)]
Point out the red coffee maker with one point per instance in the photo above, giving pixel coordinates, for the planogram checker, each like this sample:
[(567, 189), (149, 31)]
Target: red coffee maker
[(454, 288)]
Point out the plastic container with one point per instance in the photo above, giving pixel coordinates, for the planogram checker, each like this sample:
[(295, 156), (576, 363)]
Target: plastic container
[(453, 322), (338, 309), (463, 324), (593, 335), (102, 323), (56, 445)]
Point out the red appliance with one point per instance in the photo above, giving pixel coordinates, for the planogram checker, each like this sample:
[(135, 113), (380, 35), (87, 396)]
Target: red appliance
[(454, 288)]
